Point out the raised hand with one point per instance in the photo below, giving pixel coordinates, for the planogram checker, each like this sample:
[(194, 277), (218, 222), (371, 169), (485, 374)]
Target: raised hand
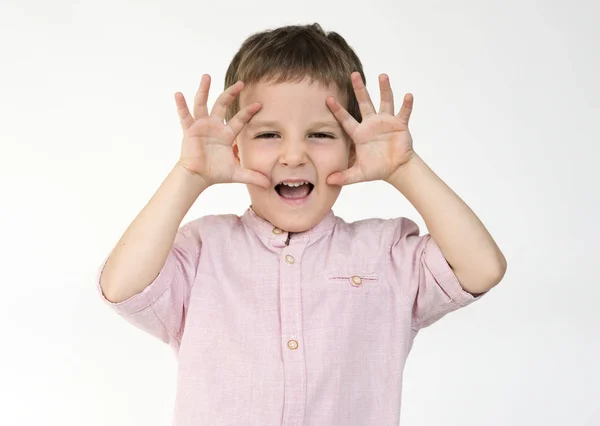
[(207, 144), (382, 141)]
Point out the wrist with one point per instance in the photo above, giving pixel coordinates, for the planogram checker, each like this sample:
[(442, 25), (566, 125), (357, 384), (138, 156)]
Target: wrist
[(403, 172), (194, 178)]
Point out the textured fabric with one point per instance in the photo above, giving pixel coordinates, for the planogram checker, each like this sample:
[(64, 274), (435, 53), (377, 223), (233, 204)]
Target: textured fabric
[(314, 330)]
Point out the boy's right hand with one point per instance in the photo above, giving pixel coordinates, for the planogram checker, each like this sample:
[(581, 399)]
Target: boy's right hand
[(206, 149)]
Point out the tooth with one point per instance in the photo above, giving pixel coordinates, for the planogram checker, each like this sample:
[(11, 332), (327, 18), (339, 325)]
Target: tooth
[(294, 184)]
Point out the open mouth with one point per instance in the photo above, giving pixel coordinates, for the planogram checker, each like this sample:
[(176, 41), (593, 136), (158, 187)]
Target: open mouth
[(294, 190)]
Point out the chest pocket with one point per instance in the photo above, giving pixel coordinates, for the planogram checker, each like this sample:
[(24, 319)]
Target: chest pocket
[(342, 304), (352, 281)]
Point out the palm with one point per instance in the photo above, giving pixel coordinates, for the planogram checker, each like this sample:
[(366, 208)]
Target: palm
[(207, 149), (383, 144), (382, 140)]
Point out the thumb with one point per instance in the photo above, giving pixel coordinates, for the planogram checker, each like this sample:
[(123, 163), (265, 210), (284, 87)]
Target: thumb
[(346, 177), (247, 176)]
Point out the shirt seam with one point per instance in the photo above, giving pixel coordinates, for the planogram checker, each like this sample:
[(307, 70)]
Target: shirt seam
[(389, 265), (415, 326), (173, 337)]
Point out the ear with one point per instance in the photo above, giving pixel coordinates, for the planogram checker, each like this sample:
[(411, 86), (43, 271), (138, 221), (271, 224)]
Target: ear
[(236, 151)]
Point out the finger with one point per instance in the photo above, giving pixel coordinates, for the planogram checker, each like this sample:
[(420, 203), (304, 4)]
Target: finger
[(247, 176), (226, 98), (200, 108), (185, 118), (348, 122), (362, 95), (387, 96), (407, 107), (239, 120), (346, 177)]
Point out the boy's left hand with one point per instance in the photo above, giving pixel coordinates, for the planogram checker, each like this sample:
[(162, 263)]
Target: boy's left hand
[(382, 141)]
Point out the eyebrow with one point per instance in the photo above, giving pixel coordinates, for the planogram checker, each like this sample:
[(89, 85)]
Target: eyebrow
[(262, 123)]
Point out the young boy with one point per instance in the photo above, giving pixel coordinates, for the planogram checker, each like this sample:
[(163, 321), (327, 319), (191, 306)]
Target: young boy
[(288, 315)]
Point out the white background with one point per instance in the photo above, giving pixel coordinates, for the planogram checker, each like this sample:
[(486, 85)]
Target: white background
[(506, 112)]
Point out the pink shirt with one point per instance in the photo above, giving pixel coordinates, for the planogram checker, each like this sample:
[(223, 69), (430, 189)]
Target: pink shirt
[(314, 332)]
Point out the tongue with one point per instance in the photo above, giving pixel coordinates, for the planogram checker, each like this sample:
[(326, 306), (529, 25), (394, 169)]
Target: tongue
[(293, 191)]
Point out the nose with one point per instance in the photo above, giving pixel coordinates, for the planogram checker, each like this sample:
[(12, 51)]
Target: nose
[(293, 153)]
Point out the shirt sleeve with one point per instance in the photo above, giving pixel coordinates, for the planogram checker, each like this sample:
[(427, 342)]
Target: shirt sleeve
[(160, 308), (425, 275)]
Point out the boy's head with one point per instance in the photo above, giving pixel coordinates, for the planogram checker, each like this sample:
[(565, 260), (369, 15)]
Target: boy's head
[(291, 71)]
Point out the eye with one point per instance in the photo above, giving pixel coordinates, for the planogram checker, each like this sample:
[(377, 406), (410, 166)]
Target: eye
[(322, 135), (266, 135)]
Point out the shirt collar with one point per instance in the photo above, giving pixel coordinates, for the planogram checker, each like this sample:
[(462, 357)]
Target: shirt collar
[(264, 228)]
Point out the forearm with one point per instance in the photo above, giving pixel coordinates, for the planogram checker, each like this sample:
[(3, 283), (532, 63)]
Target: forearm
[(466, 244), (141, 252)]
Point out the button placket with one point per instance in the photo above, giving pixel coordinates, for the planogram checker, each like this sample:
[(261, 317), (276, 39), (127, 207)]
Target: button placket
[(291, 332), (279, 238)]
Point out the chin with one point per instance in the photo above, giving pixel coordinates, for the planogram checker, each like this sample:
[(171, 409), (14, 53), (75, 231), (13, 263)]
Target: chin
[(297, 218)]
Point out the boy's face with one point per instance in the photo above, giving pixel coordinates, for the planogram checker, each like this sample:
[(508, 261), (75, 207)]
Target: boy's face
[(293, 137)]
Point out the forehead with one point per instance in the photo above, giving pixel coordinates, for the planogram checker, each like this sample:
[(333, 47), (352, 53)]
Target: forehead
[(304, 99)]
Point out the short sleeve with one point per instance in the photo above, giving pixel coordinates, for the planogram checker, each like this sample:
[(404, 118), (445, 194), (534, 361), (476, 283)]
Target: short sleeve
[(161, 307), (425, 275)]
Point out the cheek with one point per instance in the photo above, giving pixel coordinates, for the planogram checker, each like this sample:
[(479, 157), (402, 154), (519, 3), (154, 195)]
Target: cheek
[(256, 156), (257, 193), (333, 158)]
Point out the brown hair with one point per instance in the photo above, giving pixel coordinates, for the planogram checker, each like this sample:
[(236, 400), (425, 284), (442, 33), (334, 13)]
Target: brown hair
[(291, 53)]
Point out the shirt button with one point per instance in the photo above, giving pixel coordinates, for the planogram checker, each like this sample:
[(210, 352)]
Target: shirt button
[(289, 259), (292, 344), (356, 280), (277, 231)]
